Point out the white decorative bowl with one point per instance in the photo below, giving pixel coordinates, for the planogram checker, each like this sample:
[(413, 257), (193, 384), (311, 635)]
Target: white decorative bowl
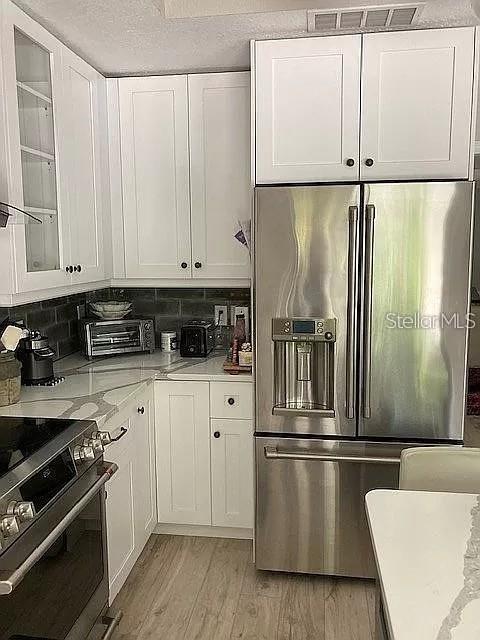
[(111, 315)]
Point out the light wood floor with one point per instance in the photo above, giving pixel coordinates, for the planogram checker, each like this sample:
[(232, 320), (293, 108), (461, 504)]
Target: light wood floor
[(208, 589)]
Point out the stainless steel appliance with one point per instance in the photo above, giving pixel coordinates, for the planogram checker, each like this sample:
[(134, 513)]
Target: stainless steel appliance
[(197, 339), (361, 296), (53, 567), (36, 356), (109, 337)]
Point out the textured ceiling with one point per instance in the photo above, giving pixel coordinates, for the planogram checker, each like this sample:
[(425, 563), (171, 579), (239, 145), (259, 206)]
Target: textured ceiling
[(122, 37)]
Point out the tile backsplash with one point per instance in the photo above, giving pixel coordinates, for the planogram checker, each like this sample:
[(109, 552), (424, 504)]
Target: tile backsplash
[(57, 318)]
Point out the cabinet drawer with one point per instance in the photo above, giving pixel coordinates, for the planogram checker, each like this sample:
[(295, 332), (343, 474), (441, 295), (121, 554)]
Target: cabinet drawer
[(231, 400)]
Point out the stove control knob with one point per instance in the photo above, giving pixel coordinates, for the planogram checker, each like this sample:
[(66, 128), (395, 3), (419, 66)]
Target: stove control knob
[(23, 510), (95, 443), (103, 436), (9, 525), (82, 453)]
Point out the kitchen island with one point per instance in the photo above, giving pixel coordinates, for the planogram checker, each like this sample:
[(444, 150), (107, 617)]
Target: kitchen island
[(427, 551)]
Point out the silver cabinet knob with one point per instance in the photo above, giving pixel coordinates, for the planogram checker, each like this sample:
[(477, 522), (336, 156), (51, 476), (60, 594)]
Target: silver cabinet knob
[(103, 436), (82, 453), (23, 510), (95, 443), (9, 525)]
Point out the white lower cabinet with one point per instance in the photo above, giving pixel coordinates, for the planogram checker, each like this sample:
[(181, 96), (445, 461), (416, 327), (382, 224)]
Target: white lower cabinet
[(120, 512), (204, 464), (131, 497), (232, 473), (183, 452), (144, 476)]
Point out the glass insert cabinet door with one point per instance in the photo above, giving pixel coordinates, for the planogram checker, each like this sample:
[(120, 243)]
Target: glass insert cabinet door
[(37, 149)]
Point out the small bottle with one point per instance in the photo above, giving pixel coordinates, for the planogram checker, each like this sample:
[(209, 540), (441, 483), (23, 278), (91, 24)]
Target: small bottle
[(239, 337)]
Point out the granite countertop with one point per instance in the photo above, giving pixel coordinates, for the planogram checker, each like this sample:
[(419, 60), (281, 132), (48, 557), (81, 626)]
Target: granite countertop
[(427, 549), (99, 389)]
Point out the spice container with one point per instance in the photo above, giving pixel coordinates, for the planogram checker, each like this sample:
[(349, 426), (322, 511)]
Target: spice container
[(168, 341), (9, 379)]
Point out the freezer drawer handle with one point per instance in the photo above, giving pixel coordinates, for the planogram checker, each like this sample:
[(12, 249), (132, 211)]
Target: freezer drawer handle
[(352, 310), (367, 321), (272, 453), (10, 580)]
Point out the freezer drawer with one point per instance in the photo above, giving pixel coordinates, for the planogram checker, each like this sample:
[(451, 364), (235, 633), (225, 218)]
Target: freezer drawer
[(310, 511)]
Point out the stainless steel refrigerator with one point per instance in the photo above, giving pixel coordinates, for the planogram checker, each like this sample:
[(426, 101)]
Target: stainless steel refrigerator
[(361, 296)]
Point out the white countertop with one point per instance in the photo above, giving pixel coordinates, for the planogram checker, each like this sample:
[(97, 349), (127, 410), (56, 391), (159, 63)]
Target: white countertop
[(427, 549), (98, 389)]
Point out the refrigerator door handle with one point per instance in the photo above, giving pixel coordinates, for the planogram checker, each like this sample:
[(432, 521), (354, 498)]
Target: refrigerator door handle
[(351, 345), (272, 453), (367, 319)]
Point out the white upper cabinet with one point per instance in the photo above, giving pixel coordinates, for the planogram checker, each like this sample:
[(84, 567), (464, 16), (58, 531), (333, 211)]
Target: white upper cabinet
[(32, 60), (415, 121), (155, 176), (53, 168), (185, 163), (307, 95), (219, 111), (81, 85), (417, 104)]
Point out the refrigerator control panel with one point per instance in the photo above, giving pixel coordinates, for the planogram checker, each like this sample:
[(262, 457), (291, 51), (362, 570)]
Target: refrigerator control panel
[(304, 329)]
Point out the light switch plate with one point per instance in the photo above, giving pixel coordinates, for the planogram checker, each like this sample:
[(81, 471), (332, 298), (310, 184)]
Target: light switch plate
[(221, 315)]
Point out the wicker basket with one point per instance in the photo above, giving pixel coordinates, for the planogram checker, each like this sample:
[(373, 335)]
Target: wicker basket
[(9, 379)]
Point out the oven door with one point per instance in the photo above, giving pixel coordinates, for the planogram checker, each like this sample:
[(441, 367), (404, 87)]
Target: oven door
[(53, 579)]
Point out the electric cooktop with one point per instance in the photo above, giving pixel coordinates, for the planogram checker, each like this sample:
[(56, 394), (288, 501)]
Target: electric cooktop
[(21, 437)]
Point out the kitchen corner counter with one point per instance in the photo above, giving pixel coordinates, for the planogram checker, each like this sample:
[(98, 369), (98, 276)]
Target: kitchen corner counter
[(99, 389), (427, 549)]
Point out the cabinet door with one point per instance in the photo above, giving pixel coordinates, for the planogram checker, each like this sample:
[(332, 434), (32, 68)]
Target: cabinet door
[(120, 513), (232, 473), (221, 195), (155, 176), (145, 485), (417, 104), (182, 433), (36, 178), (307, 109), (81, 85)]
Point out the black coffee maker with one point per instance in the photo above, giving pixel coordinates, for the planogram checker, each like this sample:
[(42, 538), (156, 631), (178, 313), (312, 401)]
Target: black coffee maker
[(36, 356)]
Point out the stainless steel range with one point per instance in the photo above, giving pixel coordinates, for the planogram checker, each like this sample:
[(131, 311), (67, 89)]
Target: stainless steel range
[(53, 563), (361, 297)]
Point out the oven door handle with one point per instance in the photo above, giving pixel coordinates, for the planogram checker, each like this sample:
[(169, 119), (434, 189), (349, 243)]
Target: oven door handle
[(10, 580)]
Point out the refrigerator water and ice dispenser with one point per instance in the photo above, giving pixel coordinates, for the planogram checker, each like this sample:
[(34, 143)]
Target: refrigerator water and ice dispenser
[(304, 357)]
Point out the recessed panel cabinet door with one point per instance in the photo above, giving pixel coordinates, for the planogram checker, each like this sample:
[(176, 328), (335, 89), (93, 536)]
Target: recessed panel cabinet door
[(307, 109), (145, 482), (34, 109), (81, 85), (416, 104), (183, 452), (120, 513), (155, 176), (232, 473), (219, 109)]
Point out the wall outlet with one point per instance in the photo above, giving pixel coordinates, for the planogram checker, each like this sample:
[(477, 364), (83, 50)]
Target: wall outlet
[(221, 315), (241, 311)]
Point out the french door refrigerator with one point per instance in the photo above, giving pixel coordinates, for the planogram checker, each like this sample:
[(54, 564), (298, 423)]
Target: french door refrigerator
[(361, 296)]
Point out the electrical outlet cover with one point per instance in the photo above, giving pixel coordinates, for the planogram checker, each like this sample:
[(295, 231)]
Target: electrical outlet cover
[(221, 315)]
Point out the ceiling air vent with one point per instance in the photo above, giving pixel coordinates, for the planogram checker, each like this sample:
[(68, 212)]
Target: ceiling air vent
[(379, 17)]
